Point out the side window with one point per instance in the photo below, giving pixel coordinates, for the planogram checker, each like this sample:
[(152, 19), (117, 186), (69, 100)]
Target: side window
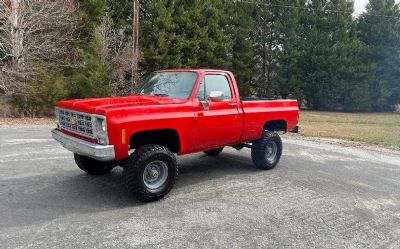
[(214, 83)]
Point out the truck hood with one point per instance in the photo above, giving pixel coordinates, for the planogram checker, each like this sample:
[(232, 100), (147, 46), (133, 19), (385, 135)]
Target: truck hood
[(103, 105)]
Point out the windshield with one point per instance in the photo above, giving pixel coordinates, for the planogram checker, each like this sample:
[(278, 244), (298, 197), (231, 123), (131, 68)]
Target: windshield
[(169, 84)]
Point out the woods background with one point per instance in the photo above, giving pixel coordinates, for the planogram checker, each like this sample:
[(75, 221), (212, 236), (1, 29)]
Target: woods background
[(314, 51)]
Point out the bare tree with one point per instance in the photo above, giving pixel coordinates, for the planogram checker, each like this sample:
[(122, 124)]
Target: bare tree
[(117, 51), (35, 35)]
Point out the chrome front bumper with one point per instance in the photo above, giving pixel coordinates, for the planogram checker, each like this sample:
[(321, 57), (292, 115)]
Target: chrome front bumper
[(104, 153)]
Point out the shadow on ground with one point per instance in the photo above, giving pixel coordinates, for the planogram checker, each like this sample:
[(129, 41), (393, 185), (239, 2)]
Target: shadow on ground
[(36, 199)]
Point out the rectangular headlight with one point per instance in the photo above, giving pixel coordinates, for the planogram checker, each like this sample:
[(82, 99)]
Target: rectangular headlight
[(101, 130), (101, 124)]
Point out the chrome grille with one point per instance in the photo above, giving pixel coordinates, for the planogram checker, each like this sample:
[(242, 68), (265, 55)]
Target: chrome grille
[(78, 122)]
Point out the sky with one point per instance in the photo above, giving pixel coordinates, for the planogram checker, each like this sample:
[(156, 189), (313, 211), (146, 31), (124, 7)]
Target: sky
[(359, 6)]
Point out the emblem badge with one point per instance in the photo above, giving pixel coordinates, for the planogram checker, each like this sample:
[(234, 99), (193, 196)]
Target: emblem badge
[(73, 121)]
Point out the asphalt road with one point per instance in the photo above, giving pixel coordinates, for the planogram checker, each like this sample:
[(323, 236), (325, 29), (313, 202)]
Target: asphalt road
[(321, 195)]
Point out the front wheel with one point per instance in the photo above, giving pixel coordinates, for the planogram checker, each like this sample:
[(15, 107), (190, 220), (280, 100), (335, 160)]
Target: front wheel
[(150, 172), (267, 151), (92, 166)]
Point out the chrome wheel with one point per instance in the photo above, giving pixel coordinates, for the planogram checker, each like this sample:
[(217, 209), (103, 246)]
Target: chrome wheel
[(155, 174), (271, 152)]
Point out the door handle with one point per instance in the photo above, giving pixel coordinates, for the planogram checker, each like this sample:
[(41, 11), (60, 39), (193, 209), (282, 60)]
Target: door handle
[(233, 104)]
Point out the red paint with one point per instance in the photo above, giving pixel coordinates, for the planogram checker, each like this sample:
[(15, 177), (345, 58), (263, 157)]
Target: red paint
[(226, 123)]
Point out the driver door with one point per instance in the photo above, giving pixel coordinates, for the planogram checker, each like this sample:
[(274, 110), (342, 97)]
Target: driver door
[(220, 123)]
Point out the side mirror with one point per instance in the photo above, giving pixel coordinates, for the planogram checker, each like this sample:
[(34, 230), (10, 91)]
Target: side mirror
[(217, 96)]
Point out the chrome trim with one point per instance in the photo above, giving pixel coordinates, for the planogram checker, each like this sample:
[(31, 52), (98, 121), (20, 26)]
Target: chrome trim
[(70, 120), (104, 153), (93, 123)]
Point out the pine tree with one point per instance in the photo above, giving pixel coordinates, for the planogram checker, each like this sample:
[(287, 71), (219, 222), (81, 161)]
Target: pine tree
[(88, 78), (379, 29), (178, 33), (156, 24), (120, 11), (332, 67), (287, 82), (238, 25), (266, 45)]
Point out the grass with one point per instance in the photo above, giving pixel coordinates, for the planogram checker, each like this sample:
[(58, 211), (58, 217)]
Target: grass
[(372, 128)]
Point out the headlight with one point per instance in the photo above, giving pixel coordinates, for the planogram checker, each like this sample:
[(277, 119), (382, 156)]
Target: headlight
[(101, 130), (100, 124)]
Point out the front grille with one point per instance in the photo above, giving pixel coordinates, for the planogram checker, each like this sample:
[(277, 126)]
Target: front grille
[(78, 122)]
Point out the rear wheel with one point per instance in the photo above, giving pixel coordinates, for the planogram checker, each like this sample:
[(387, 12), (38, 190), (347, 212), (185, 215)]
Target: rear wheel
[(215, 152), (150, 172), (92, 166), (267, 151)]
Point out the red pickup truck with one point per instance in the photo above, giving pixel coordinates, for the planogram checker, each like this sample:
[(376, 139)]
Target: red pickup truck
[(178, 111)]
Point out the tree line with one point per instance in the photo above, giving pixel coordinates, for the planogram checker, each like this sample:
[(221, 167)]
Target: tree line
[(314, 51)]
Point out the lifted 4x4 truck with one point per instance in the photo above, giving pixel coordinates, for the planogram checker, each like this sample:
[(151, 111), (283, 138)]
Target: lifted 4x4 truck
[(178, 111)]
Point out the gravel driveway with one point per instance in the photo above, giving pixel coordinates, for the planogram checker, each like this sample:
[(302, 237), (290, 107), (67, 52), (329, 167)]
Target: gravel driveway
[(321, 195)]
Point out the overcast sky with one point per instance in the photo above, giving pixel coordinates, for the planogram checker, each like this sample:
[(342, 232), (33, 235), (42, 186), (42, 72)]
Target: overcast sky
[(359, 6)]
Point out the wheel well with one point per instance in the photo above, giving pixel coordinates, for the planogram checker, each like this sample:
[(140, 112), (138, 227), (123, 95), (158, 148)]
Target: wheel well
[(168, 138), (276, 125)]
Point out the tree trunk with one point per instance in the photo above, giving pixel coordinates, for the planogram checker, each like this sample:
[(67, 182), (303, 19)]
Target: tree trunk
[(17, 33), (264, 72), (135, 49)]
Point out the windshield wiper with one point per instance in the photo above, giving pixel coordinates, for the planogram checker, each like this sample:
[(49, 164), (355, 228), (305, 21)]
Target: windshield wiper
[(161, 95)]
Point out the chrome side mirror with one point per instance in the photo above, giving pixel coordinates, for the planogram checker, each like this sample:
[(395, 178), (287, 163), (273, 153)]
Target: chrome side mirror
[(217, 96)]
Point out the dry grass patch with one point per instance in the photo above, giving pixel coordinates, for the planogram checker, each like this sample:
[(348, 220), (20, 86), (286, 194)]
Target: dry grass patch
[(372, 128)]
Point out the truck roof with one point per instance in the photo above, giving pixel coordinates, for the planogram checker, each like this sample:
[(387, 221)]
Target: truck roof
[(197, 70)]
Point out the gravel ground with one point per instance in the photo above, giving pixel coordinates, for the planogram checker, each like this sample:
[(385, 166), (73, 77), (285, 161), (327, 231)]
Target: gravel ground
[(321, 195), (9, 122)]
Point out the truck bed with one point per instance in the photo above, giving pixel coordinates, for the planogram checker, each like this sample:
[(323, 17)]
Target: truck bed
[(258, 111)]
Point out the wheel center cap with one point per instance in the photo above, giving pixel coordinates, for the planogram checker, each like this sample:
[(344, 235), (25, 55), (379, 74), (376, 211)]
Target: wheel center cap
[(154, 173)]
